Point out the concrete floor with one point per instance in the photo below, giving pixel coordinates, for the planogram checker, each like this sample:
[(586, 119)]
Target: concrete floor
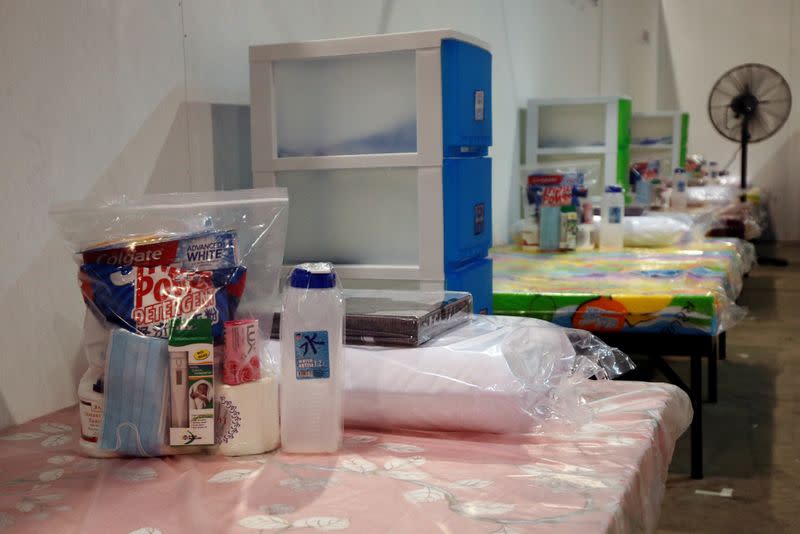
[(752, 439)]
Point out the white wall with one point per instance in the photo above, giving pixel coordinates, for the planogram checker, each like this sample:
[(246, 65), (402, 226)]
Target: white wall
[(95, 99), (705, 38), (86, 102)]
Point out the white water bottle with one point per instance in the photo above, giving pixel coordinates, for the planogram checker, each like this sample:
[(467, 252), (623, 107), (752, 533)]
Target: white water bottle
[(679, 198), (312, 345), (612, 213)]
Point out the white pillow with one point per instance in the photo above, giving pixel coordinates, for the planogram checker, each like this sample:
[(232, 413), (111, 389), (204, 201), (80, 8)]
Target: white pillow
[(494, 374), (654, 230)]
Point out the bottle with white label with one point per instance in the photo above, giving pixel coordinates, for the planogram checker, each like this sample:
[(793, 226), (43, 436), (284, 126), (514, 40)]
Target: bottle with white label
[(91, 404), (312, 328), (612, 213), (713, 169), (679, 198)]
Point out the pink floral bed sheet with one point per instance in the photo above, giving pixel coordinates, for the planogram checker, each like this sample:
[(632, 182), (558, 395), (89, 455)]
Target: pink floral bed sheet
[(606, 476)]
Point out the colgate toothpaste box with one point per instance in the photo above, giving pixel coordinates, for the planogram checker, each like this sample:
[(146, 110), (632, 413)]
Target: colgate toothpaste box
[(145, 285), (208, 250)]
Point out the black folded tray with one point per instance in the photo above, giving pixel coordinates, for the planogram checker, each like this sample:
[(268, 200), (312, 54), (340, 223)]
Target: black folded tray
[(399, 318)]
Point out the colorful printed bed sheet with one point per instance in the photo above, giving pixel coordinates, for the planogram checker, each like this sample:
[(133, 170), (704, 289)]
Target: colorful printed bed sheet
[(680, 291), (605, 476)]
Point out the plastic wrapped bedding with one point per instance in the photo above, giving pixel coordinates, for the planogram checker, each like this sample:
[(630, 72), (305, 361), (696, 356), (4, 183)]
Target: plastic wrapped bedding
[(655, 230), (686, 290), (719, 195), (494, 374)]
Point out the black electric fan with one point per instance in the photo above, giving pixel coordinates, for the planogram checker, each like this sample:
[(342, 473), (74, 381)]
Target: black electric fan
[(748, 104)]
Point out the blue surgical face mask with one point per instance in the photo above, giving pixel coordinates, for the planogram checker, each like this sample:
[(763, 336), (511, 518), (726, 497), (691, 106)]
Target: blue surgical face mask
[(136, 387)]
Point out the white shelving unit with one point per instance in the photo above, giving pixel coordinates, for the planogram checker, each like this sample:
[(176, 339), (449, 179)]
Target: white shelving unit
[(557, 151), (382, 142), (563, 128), (659, 125)]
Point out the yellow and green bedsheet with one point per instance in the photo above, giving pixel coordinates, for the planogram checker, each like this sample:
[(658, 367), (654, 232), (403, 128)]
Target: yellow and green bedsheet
[(684, 291)]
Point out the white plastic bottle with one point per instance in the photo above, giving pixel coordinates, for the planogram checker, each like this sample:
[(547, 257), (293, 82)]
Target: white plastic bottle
[(679, 198), (91, 405), (612, 213), (312, 328)]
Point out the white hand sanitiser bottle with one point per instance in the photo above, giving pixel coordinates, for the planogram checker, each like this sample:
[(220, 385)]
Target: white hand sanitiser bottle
[(679, 198), (312, 328), (612, 212)]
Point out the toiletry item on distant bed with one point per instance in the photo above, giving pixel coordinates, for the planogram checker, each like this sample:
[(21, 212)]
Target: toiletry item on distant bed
[(530, 235), (568, 235), (612, 213), (583, 240), (312, 335), (679, 198), (550, 228)]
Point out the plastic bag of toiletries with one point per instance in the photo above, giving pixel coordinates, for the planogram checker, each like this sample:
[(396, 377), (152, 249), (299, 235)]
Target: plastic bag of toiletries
[(494, 374), (180, 290), (557, 184)]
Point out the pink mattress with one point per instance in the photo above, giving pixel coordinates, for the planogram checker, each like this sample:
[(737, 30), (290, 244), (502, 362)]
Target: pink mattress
[(608, 476)]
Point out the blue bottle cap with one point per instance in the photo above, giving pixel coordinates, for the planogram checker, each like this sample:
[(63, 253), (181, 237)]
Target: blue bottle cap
[(679, 170), (313, 276), (613, 189)]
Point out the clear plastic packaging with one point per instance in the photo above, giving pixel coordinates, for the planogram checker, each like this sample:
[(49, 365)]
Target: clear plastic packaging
[(403, 318), (655, 230), (679, 199), (312, 347), (493, 374), (145, 263), (688, 290), (713, 195)]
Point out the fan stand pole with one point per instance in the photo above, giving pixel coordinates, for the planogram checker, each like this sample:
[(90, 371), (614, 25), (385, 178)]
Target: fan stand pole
[(745, 140)]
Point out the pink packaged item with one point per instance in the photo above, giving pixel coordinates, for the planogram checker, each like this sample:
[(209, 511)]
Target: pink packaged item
[(241, 364)]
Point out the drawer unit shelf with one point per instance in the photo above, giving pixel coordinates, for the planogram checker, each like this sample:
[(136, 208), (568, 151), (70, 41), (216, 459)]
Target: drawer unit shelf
[(382, 142)]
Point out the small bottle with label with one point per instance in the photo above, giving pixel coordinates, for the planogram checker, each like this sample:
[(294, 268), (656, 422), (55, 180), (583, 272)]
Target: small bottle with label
[(612, 213), (530, 235), (312, 328), (679, 198), (91, 405), (568, 239)]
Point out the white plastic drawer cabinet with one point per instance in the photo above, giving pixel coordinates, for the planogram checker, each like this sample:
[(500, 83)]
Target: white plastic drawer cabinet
[(382, 142), (572, 129), (660, 135)]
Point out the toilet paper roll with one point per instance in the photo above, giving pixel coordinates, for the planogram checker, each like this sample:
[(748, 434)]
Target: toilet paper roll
[(247, 418)]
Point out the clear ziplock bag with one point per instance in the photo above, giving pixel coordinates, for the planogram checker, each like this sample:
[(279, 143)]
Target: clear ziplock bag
[(150, 263), (494, 374)]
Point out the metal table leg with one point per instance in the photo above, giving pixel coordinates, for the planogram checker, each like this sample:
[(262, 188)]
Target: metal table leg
[(696, 394), (722, 341), (712, 375)]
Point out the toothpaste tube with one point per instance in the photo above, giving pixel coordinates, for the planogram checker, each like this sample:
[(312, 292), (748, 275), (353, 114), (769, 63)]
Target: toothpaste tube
[(204, 251)]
